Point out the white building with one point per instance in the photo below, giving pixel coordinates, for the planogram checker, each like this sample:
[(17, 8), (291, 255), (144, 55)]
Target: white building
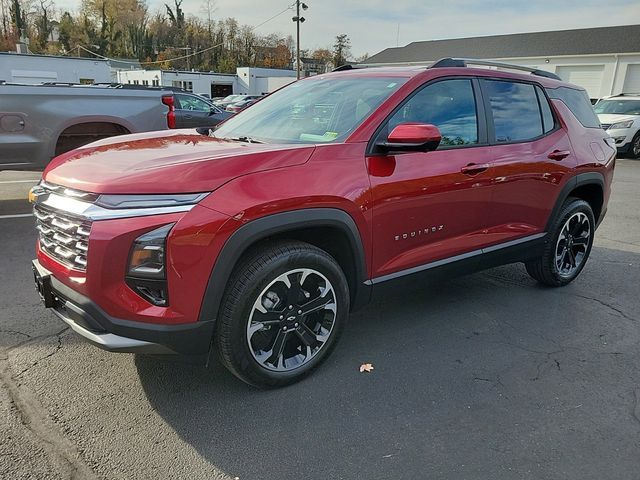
[(247, 80), (30, 68), (604, 60)]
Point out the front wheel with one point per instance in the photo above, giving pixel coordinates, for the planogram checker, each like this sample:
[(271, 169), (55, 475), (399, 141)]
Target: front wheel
[(634, 149), (283, 311), (569, 246)]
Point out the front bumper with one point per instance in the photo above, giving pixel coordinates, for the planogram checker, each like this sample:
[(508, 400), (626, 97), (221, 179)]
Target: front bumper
[(117, 335)]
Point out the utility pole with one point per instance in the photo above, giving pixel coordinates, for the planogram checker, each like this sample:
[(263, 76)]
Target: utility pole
[(298, 19)]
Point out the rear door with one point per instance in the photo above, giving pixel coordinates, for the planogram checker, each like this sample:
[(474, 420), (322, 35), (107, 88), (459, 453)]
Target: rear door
[(531, 156), (431, 206)]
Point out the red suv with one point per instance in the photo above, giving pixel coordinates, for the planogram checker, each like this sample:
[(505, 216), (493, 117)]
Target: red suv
[(258, 238)]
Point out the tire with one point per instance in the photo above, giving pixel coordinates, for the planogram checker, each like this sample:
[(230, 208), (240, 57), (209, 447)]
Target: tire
[(634, 148), (261, 316), (568, 249)]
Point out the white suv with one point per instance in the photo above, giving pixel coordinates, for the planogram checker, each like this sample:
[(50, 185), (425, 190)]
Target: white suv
[(620, 117)]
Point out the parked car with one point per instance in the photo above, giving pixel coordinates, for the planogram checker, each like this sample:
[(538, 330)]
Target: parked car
[(38, 122), (231, 99), (260, 237), (620, 117), (194, 111), (241, 105)]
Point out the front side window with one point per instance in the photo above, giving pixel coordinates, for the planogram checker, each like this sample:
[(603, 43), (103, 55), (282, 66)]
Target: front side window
[(515, 110), (449, 105), (316, 110), (187, 102)]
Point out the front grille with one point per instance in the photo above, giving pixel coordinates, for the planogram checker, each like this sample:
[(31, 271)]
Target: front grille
[(605, 126), (63, 237)]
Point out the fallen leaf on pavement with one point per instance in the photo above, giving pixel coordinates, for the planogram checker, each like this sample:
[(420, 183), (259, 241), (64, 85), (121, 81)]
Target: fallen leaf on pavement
[(366, 367)]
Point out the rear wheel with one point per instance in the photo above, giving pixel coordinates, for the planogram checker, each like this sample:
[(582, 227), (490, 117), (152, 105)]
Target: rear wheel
[(282, 314), (569, 246)]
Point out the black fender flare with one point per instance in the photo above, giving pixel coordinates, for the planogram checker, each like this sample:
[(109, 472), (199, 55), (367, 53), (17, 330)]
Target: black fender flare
[(279, 223), (587, 178)]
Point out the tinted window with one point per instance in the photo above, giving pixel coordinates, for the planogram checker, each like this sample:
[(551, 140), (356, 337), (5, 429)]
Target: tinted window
[(578, 102), (449, 105), (515, 110), (548, 122)]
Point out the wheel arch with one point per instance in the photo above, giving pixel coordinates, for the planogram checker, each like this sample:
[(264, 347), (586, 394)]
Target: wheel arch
[(330, 229), (587, 186), (82, 122)]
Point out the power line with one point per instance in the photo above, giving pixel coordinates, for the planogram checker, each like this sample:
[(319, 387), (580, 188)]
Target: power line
[(183, 56)]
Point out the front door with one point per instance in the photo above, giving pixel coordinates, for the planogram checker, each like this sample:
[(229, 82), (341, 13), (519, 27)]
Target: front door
[(430, 206)]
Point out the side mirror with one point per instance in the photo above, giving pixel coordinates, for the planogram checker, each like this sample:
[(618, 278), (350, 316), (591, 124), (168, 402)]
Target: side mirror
[(412, 137)]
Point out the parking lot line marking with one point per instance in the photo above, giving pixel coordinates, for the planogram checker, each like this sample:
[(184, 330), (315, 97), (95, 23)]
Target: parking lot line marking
[(20, 181), (19, 215)]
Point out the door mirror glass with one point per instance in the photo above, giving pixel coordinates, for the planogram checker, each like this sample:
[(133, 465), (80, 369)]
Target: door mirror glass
[(416, 137)]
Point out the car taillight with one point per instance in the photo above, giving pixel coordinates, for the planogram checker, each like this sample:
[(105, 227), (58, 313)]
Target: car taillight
[(171, 114)]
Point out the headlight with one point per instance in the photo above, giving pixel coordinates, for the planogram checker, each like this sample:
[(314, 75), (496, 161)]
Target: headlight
[(626, 124), (149, 201), (146, 272)]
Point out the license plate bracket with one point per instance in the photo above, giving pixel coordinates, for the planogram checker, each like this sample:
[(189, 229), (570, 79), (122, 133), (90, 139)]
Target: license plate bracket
[(43, 287)]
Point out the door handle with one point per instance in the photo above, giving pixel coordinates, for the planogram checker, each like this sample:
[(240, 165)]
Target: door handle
[(559, 154), (474, 168), (188, 116)]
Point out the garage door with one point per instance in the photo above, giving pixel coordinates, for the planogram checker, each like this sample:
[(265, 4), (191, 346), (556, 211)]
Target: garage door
[(632, 79), (588, 77)]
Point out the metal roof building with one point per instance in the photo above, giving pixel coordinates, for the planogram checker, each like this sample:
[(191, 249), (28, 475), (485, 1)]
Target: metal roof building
[(604, 60)]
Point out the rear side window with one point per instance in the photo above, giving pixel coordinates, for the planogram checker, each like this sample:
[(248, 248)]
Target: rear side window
[(449, 105), (515, 110), (578, 102), (548, 122)]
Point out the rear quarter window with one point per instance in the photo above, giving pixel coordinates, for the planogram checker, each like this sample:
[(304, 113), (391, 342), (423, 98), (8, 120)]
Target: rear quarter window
[(578, 102)]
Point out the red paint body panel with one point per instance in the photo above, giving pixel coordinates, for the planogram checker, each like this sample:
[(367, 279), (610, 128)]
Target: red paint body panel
[(409, 209), (167, 162), (193, 245), (420, 192)]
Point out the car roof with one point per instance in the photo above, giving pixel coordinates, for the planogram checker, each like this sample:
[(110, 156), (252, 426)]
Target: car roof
[(428, 72)]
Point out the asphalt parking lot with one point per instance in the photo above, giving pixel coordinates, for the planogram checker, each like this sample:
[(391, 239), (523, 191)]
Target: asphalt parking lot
[(488, 376)]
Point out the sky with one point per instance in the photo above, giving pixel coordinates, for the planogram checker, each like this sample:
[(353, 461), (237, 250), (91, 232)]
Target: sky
[(373, 25)]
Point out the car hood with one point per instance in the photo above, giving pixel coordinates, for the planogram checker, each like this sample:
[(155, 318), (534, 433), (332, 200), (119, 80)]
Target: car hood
[(614, 117), (177, 161)]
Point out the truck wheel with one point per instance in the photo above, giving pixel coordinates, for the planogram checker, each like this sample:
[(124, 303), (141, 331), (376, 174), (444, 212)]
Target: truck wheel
[(569, 245), (284, 308)]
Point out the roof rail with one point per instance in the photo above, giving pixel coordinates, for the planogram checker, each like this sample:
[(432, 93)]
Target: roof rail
[(465, 62)]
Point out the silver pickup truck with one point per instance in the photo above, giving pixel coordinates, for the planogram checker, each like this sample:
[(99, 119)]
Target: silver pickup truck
[(38, 122)]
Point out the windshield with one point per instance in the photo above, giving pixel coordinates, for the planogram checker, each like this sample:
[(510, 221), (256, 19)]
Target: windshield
[(619, 107), (321, 110)]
